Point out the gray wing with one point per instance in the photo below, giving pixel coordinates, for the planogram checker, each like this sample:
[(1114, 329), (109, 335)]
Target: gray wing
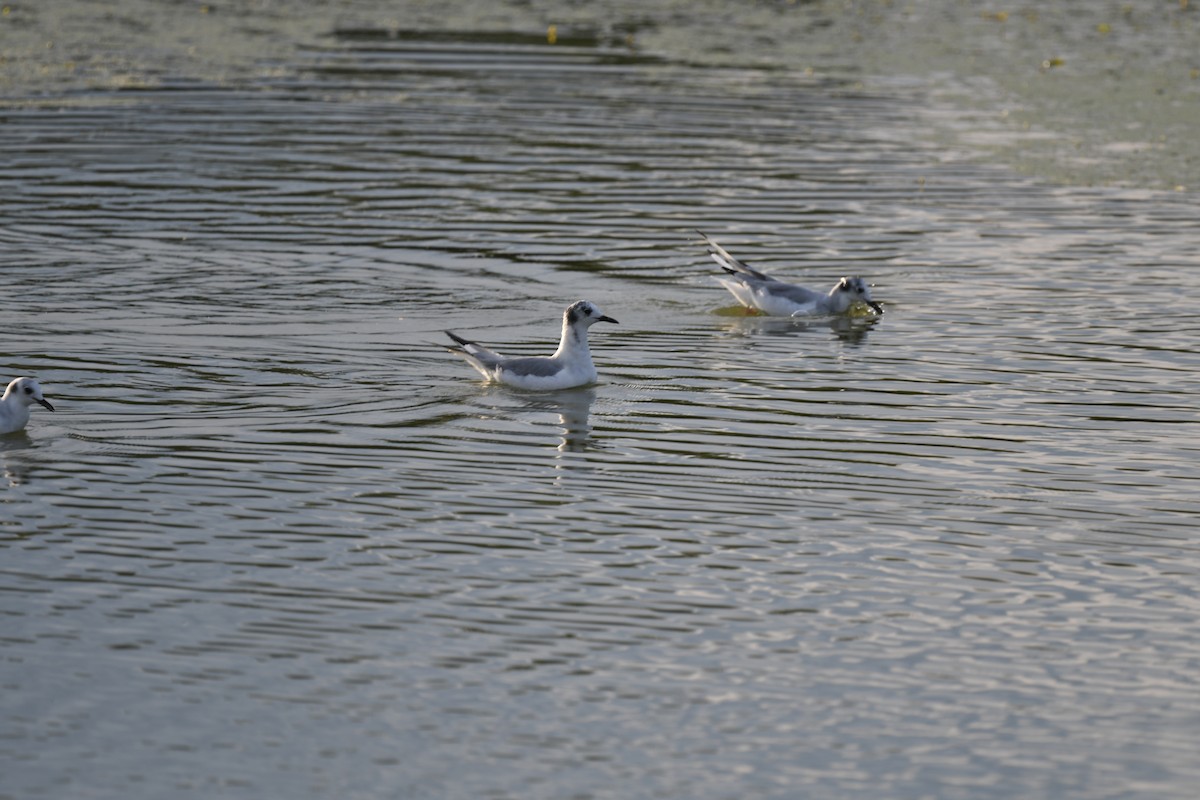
[(797, 294), (774, 288), (532, 366)]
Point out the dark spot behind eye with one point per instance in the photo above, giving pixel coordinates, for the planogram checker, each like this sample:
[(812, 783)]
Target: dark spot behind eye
[(571, 315)]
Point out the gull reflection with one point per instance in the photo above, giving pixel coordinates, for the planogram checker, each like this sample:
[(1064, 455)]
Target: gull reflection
[(574, 408), (849, 328), (16, 472), (575, 418)]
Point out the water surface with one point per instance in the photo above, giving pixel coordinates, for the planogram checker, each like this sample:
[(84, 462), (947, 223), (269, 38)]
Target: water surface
[(276, 541)]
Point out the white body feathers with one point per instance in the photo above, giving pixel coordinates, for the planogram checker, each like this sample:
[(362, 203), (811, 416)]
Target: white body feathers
[(14, 406), (570, 366)]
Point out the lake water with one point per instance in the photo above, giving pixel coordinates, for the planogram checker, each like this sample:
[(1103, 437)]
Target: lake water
[(275, 541)]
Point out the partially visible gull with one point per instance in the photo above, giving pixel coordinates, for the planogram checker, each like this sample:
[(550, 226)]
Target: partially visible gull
[(14, 406)]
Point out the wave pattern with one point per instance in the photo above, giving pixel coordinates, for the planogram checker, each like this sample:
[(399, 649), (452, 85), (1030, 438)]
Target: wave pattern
[(949, 551)]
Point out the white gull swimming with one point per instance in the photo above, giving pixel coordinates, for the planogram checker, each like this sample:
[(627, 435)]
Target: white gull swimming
[(757, 290), (570, 366), (14, 406)]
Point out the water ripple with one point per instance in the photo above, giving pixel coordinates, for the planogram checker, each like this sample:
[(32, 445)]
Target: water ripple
[(952, 545)]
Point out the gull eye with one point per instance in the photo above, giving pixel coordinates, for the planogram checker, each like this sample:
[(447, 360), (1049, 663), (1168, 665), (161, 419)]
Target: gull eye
[(28, 390)]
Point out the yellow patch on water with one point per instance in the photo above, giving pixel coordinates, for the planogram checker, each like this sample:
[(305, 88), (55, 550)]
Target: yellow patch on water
[(738, 311)]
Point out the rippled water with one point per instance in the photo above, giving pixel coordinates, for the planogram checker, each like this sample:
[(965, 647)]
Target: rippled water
[(276, 541)]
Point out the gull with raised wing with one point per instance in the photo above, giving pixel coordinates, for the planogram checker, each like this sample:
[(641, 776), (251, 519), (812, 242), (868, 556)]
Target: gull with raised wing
[(570, 366), (760, 292), (14, 406)]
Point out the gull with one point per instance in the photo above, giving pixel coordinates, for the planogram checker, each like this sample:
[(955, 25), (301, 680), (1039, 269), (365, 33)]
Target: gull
[(14, 406), (758, 291), (570, 366)]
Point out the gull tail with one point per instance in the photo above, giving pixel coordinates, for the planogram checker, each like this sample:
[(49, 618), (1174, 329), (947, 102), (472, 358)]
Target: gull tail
[(734, 266), (478, 356)]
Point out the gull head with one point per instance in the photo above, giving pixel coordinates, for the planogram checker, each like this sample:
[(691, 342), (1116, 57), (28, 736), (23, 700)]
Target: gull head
[(25, 391), (855, 290), (585, 314)]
